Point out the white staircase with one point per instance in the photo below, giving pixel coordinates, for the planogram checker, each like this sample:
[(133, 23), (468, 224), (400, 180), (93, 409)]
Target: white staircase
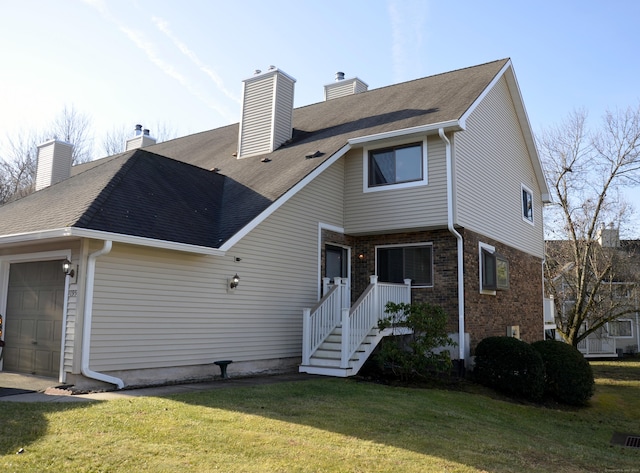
[(337, 341)]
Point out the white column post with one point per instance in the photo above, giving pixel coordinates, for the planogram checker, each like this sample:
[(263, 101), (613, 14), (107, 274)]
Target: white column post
[(407, 283), (306, 336), (325, 285), (346, 339)]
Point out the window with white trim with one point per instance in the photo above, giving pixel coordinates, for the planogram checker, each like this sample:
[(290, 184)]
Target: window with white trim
[(396, 166), (397, 263), (620, 328), (527, 204), (494, 270)]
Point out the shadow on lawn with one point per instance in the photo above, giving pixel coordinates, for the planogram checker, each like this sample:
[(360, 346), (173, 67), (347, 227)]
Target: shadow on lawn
[(22, 424), (473, 430)]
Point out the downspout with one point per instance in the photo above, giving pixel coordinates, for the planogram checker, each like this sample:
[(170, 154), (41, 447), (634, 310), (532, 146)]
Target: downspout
[(461, 326), (88, 314)]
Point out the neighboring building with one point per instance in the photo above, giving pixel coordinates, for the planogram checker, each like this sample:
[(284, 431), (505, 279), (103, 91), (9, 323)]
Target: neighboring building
[(436, 181), (617, 337)]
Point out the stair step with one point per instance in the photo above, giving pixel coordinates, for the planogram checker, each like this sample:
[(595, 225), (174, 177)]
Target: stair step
[(326, 370), (330, 354)]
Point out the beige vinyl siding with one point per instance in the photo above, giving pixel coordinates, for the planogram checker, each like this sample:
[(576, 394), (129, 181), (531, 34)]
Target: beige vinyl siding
[(343, 88), (397, 209), (70, 327), (156, 308), (267, 113), (54, 163), (257, 118), (491, 165), (283, 116)]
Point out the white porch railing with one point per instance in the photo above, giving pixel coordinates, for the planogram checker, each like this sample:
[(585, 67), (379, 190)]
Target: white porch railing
[(356, 322), (321, 320), (597, 346)]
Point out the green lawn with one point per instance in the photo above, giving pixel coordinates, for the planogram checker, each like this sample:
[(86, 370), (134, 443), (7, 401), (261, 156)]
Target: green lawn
[(327, 425)]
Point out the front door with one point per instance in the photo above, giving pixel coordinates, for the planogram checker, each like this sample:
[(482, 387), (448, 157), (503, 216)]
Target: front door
[(33, 322), (336, 262)]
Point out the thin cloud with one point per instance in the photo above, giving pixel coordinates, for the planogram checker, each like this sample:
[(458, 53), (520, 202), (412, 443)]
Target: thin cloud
[(408, 21), (163, 26), (140, 40)]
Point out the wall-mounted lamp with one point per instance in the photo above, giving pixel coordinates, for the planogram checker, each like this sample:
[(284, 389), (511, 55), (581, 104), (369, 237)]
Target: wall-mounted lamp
[(67, 268), (233, 283)]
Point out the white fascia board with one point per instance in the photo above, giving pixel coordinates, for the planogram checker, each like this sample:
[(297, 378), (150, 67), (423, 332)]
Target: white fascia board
[(451, 125), (283, 199), (72, 232)]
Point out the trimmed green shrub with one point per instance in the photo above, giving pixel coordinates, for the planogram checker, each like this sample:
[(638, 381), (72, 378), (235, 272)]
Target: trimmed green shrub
[(510, 366), (568, 375), (416, 355)]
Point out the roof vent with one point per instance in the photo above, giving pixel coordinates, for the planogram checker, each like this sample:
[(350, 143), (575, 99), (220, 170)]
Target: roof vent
[(342, 87), (141, 138), (267, 112), (54, 163)]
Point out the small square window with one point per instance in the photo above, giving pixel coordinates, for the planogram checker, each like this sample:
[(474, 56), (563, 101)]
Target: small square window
[(395, 165), (527, 205)]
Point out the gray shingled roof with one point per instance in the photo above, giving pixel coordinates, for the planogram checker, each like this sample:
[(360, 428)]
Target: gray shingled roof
[(168, 192)]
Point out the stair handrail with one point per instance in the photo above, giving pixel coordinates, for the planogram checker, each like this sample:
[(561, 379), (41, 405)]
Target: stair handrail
[(319, 321), (358, 321)]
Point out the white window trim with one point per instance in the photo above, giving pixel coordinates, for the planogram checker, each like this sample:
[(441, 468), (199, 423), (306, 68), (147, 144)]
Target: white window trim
[(405, 245), (491, 249), (390, 144), (622, 336), (533, 209)]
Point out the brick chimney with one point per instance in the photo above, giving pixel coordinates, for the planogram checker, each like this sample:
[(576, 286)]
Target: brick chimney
[(54, 163), (267, 112), (342, 87), (140, 139)]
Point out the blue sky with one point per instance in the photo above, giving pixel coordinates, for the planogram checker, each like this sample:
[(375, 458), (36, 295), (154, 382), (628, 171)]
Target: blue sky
[(181, 63)]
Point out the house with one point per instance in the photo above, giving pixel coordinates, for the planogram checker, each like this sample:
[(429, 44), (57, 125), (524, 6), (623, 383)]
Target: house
[(619, 293), (276, 241)]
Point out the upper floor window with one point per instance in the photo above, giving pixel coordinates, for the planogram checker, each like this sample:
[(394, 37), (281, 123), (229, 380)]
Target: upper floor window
[(395, 166), (397, 263), (527, 205)]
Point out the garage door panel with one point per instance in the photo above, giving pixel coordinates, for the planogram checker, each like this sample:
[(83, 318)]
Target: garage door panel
[(29, 300), (44, 360), (44, 332), (33, 326)]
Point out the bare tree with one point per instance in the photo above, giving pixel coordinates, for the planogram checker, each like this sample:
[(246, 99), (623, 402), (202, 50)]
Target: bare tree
[(586, 171), (19, 155), (114, 141), (18, 166), (74, 127)]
